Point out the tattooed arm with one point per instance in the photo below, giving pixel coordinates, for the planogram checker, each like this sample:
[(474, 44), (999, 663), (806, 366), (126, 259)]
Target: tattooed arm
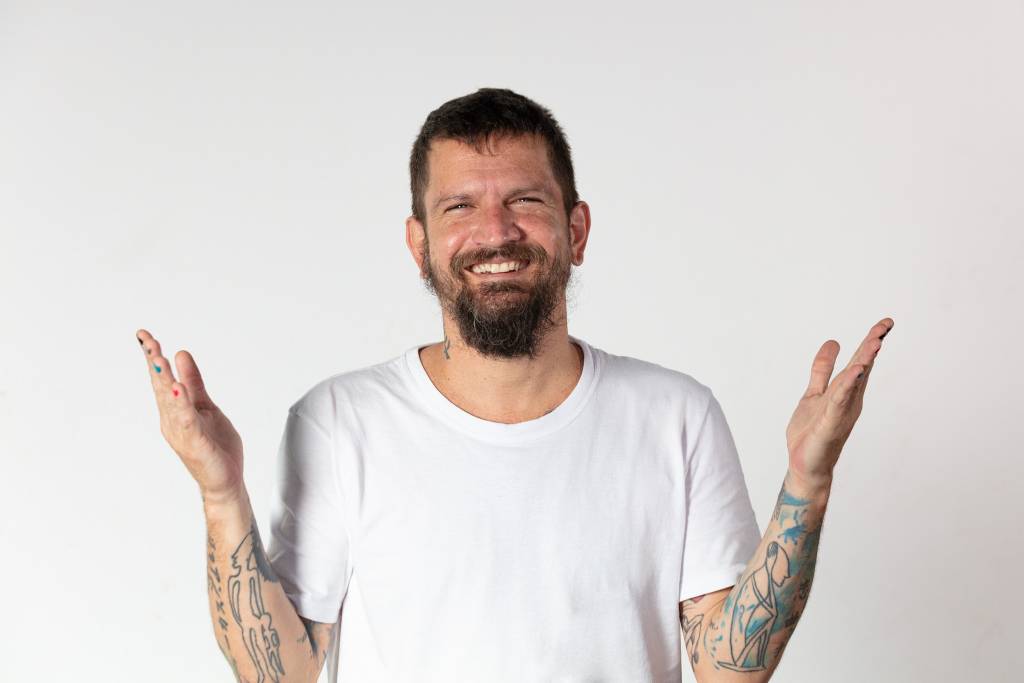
[(741, 636), (256, 625), (739, 633)]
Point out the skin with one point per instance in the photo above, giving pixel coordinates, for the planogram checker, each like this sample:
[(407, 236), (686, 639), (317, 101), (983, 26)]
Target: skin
[(488, 213), (739, 633), (735, 634), (255, 625)]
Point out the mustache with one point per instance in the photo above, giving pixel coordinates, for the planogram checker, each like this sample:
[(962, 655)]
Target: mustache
[(510, 252)]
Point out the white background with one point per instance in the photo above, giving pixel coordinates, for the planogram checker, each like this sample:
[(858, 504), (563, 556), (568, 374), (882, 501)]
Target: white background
[(762, 176)]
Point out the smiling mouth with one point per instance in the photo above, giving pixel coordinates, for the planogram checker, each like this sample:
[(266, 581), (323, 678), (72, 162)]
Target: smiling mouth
[(498, 267)]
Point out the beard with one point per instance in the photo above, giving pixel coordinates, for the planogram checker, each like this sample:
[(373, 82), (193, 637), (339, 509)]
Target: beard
[(503, 319)]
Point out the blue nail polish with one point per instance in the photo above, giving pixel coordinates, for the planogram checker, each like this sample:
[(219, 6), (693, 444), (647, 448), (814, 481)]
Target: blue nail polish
[(157, 367)]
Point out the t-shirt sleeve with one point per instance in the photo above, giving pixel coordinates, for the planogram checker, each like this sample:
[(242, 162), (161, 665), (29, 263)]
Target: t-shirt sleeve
[(309, 544), (721, 529)]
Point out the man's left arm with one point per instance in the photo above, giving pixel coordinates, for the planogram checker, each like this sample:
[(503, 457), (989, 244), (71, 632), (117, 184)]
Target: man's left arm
[(738, 634)]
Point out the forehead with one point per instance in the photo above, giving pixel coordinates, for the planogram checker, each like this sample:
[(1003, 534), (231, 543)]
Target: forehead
[(454, 164)]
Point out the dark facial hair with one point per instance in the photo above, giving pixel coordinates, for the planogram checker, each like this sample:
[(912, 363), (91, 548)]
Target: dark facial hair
[(505, 319)]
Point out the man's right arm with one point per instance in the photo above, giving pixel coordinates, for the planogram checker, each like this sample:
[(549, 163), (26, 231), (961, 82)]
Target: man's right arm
[(256, 625)]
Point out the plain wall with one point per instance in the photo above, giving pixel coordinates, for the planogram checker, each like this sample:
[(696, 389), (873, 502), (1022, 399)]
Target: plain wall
[(762, 177)]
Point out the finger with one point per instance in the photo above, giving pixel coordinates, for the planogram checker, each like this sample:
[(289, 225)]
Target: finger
[(875, 346), (146, 341), (822, 367), (188, 374), (179, 421), (862, 383), (151, 347), (160, 373), (872, 343), (142, 336), (844, 389), (181, 406)]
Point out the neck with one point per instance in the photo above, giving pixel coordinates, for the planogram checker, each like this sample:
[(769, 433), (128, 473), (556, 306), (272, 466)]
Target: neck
[(504, 390)]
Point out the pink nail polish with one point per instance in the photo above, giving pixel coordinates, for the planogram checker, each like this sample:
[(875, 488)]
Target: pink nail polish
[(175, 391)]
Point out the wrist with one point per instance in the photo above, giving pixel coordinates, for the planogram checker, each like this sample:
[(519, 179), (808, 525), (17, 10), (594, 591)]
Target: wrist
[(808, 487), (230, 501)]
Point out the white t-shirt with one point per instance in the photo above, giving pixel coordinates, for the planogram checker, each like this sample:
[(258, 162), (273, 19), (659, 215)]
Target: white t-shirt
[(556, 549)]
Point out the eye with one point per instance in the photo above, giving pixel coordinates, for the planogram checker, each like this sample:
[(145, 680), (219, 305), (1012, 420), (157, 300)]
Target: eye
[(527, 199), (455, 206)]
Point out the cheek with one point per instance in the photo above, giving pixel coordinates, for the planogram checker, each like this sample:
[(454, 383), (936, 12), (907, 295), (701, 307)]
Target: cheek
[(553, 238), (451, 242), (445, 241), (546, 225)]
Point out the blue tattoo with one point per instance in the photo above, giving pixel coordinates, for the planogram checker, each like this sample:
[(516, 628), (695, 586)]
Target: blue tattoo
[(792, 534)]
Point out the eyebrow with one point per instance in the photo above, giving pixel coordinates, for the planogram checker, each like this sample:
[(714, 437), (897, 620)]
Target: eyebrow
[(530, 189), (535, 189)]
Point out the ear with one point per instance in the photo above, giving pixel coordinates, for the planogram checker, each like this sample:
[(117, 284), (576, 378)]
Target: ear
[(415, 237), (579, 230)]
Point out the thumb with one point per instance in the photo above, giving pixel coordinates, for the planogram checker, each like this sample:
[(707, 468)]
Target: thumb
[(188, 374)]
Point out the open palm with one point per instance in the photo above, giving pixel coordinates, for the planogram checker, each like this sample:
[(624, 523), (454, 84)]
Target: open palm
[(826, 413), (193, 425)]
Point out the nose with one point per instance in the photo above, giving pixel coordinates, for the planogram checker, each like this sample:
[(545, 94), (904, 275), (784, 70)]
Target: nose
[(496, 226)]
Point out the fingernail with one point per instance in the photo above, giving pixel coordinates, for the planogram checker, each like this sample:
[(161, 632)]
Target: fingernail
[(157, 367), (140, 339), (175, 391), (860, 375)]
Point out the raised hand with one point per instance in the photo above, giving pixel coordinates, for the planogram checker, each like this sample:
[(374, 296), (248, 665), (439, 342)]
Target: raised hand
[(827, 411), (193, 425)]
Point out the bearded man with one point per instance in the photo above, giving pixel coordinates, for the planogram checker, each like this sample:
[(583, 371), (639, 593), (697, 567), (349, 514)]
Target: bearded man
[(517, 504)]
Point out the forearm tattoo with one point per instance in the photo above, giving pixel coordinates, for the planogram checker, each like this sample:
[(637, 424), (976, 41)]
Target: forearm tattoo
[(759, 614), (244, 607), (692, 624), (250, 569), (216, 590)]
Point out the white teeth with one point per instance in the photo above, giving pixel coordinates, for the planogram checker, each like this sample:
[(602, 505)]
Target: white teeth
[(498, 267)]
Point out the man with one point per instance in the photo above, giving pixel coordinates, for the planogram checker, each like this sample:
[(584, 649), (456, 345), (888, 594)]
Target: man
[(519, 505)]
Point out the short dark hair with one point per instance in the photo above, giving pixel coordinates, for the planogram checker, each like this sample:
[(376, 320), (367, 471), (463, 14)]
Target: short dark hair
[(477, 117)]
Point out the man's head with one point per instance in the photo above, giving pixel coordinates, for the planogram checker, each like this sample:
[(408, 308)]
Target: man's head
[(492, 183)]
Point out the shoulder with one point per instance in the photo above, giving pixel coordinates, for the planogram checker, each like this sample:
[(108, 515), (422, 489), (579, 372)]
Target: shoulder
[(342, 395), (655, 382)]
